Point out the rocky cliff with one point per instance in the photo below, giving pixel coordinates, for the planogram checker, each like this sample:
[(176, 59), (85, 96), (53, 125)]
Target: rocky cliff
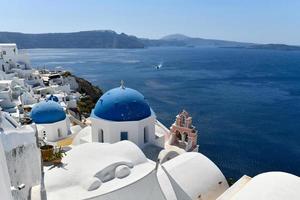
[(90, 93)]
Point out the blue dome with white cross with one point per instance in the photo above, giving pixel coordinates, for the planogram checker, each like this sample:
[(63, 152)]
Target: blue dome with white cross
[(122, 104)]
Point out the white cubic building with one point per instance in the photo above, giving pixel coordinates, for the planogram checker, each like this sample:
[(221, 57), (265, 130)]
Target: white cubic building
[(8, 51), (123, 114), (10, 54)]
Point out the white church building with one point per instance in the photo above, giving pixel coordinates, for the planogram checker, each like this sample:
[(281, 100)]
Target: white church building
[(123, 114), (51, 121)]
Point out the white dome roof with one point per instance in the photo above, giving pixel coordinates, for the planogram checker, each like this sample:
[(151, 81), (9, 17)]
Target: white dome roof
[(196, 175), (271, 185)]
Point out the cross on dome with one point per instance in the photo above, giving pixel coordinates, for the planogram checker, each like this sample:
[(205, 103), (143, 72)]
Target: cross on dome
[(122, 84)]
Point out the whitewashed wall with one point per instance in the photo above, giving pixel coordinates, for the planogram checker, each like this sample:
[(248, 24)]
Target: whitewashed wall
[(135, 129), (4, 176), (23, 159), (24, 167), (51, 130), (9, 52)]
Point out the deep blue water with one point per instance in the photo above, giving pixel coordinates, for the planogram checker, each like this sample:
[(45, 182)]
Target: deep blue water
[(245, 103)]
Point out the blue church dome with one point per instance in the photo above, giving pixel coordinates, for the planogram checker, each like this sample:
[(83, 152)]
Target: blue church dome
[(122, 104), (53, 98), (47, 112)]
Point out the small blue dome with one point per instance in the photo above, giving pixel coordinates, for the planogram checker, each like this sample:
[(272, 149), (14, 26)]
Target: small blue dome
[(122, 104), (53, 98), (47, 112)]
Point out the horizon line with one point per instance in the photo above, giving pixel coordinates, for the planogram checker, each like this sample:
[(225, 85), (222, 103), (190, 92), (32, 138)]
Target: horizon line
[(151, 38)]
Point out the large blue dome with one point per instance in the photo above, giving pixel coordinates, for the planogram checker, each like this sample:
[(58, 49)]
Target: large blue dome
[(47, 112), (122, 104)]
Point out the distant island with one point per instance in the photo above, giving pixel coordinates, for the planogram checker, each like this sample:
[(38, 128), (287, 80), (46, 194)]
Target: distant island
[(270, 47), (183, 40), (82, 39), (111, 39)]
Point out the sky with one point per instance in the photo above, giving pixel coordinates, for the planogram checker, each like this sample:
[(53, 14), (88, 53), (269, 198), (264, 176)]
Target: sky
[(261, 21)]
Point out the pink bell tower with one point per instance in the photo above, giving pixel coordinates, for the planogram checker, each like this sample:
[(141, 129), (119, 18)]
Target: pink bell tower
[(182, 133)]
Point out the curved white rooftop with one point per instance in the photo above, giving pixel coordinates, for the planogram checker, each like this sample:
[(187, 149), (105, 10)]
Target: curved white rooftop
[(270, 186), (121, 171), (196, 175), (85, 162)]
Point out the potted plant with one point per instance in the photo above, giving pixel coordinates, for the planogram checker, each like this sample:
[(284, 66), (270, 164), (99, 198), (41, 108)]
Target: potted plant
[(46, 150), (57, 156)]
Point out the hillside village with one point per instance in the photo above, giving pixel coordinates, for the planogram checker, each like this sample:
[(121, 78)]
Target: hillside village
[(61, 138)]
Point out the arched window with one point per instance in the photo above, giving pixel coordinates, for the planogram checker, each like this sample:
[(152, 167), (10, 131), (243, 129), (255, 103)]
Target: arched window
[(58, 133), (183, 121), (185, 137), (178, 135), (100, 136), (146, 135)]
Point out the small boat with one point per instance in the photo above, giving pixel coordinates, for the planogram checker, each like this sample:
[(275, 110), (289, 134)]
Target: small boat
[(159, 66)]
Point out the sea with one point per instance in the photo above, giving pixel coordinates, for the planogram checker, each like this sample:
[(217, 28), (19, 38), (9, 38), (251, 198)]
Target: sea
[(245, 103)]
